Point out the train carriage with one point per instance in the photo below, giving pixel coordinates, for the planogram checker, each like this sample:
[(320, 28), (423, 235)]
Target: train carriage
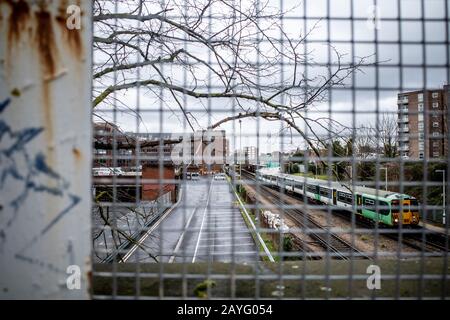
[(388, 208)]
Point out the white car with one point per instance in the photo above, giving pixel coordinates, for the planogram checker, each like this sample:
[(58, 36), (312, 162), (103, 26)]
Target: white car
[(107, 171), (195, 176), (219, 176)]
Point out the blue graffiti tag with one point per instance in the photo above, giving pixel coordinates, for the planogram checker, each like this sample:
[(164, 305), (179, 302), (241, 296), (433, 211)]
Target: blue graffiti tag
[(31, 171)]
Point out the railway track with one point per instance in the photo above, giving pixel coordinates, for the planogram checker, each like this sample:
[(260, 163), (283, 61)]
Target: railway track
[(433, 242), (332, 243)]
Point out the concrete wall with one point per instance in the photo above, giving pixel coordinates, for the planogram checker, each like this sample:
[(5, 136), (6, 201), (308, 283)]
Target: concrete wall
[(45, 149)]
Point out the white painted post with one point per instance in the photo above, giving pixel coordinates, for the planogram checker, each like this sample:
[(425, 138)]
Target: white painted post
[(45, 149)]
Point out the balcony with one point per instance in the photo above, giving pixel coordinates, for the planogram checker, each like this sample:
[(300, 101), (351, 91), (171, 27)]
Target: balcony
[(404, 147), (403, 100), (403, 129), (403, 119), (404, 138)]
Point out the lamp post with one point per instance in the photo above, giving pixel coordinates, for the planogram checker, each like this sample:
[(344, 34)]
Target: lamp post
[(386, 177), (443, 195), (315, 176), (240, 148)]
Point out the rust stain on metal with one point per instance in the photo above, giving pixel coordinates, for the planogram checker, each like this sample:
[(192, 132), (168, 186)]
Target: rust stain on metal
[(77, 153), (20, 14), (47, 51), (46, 41), (47, 30)]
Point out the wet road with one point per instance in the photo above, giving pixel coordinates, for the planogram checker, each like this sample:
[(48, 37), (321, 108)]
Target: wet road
[(205, 226)]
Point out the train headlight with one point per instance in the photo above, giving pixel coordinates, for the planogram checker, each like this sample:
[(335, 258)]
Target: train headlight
[(395, 220)]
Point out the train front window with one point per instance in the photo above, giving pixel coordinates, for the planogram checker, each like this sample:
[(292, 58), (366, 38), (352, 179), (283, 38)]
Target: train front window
[(414, 206)]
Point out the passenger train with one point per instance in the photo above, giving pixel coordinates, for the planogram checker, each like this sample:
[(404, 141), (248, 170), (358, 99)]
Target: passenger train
[(372, 204)]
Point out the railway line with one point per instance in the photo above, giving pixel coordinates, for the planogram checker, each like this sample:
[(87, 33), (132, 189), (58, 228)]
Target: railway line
[(338, 247), (422, 240), (432, 243)]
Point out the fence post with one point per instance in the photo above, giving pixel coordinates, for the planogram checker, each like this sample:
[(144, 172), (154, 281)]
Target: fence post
[(45, 149)]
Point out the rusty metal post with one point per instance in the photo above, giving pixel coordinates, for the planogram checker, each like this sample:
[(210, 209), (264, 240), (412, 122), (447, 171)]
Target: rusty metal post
[(45, 148)]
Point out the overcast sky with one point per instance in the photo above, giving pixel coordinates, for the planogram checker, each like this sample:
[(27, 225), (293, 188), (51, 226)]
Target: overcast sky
[(432, 55)]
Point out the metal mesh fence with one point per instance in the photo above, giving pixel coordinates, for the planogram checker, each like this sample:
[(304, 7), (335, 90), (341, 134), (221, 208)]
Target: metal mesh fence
[(270, 149)]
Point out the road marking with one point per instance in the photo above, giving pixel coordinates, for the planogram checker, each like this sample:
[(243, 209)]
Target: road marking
[(145, 236), (235, 223), (245, 231), (232, 229), (222, 213), (225, 218), (229, 253), (203, 221), (261, 241), (227, 238), (229, 245), (180, 240), (236, 253)]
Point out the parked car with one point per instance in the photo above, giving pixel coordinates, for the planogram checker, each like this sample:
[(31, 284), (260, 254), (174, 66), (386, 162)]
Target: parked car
[(107, 171), (219, 176), (195, 176)]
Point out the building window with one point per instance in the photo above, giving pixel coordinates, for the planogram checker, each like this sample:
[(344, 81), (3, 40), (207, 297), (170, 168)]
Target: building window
[(421, 145), (436, 144), (420, 117), (100, 151), (403, 109), (403, 99), (421, 136), (435, 124), (420, 107), (420, 97), (420, 126), (435, 95), (436, 154), (436, 134), (435, 105), (420, 155)]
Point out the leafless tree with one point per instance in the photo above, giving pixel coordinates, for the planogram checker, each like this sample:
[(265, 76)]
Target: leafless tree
[(380, 137), (233, 50)]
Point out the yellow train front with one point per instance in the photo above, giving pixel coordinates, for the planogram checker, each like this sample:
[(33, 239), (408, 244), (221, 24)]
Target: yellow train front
[(409, 209)]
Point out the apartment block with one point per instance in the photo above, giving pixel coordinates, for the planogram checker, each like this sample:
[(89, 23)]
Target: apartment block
[(422, 123), (250, 155)]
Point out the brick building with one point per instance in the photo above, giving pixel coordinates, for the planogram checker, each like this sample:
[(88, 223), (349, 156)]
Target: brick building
[(204, 145), (422, 123), (158, 181)]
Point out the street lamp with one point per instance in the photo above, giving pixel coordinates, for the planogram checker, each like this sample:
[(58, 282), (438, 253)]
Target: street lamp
[(386, 177), (240, 148), (315, 176), (443, 195)]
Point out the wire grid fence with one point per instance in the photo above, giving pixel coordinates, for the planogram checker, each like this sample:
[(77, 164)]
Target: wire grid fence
[(166, 70)]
